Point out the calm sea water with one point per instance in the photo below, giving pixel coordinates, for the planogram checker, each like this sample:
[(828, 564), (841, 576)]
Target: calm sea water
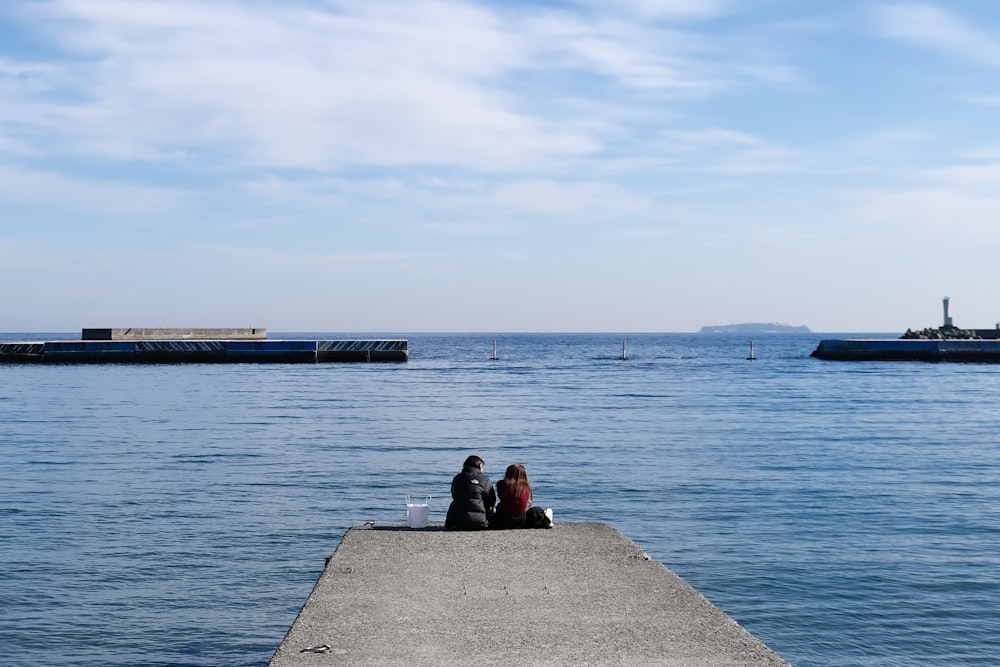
[(845, 513)]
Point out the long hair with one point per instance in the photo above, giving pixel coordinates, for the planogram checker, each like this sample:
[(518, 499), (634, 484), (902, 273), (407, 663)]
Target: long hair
[(516, 481)]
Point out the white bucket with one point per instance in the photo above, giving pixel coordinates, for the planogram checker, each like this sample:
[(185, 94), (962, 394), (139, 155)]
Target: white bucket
[(417, 513)]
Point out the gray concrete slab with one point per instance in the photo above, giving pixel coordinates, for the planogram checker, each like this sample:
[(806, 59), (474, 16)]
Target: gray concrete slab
[(576, 594), (180, 351), (173, 333)]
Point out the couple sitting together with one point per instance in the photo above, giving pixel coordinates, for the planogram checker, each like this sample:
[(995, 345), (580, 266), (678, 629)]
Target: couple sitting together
[(473, 497)]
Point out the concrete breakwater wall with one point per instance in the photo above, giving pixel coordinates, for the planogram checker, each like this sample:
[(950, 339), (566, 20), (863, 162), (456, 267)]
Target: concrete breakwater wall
[(578, 594), (131, 333), (204, 351), (909, 349)]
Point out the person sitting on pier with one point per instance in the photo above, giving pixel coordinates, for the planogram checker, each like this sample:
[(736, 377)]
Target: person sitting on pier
[(515, 496), (472, 498)]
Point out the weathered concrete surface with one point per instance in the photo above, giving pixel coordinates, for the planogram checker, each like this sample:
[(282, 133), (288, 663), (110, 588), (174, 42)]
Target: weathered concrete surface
[(203, 351), (577, 594), (130, 333), (908, 349)]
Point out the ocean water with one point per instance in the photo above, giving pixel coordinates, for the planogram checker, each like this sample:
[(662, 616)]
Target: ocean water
[(848, 514)]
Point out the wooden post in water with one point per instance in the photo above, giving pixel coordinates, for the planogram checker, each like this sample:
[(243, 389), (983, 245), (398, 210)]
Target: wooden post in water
[(751, 357), (494, 357), (624, 349)]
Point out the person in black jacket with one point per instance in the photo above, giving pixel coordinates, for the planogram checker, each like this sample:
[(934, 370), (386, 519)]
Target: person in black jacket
[(472, 498)]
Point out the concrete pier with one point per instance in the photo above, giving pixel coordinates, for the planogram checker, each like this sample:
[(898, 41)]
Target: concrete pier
[(248, 333), (202, 351), (576, 594), (909, 349)]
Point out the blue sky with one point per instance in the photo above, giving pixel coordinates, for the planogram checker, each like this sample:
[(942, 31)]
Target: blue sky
[(642, 165)]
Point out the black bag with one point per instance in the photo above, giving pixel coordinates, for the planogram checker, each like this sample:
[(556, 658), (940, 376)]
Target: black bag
[(536, 517)]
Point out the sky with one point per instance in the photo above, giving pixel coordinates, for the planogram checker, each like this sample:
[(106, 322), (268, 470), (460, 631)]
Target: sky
[(452, 166)]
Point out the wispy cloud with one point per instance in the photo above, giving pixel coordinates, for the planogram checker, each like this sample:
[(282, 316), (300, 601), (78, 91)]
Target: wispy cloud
[(55, 191), (966, 177), (317, 260), (932, 27), (294, 86), (983, 100), (13, 68), (933, 213), (579, 202), (988, 152), (632, 54), (672, 9), (721, 150), (957, 202), (300, 85), (880, 147)]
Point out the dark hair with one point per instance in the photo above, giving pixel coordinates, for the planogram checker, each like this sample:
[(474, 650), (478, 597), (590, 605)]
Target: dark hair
[(515, 479), (474, 462)]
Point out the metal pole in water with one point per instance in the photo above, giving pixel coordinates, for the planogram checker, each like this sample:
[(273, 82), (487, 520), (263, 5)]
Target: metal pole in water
[(751, 357), (624, 349), (494, 357)]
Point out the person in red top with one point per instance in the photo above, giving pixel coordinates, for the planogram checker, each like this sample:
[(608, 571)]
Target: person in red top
[(514, 492)]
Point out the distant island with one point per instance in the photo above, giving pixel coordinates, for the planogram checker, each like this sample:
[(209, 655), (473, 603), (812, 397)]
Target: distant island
[(754, 328)]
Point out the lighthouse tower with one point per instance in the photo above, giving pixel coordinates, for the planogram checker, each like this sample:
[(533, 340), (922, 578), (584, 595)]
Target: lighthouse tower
[(947, 317)]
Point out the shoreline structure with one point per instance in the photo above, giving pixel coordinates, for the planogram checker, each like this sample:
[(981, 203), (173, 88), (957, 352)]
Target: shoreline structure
[(177, 346), (945, 343), (579, 593)]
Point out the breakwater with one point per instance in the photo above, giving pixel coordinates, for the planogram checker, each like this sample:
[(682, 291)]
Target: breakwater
[(174, 333), (203, 351), (909, 349)]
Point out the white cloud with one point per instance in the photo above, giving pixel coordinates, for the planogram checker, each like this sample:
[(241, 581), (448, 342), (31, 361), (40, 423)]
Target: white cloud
[(57, 192), (269, 259), (673, 9), (982, 153), (14, 68), (637, 56), (728, 151), (943, 216), (291, 86), (888, 149), (468, 229), (983, 100), (966, 177), (935, 28), (574, 202), (298, 85), (884, 139), (953, 203), (14, 146), (711, 136), (459, 206)]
